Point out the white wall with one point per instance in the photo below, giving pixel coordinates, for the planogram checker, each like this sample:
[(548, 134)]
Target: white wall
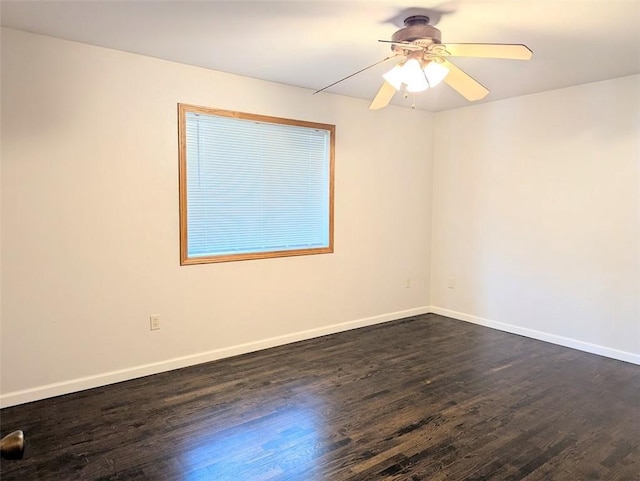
[(90, 221), (537, 216)]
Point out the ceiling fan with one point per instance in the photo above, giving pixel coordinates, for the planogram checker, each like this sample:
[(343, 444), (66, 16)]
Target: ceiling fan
[(424, 62)]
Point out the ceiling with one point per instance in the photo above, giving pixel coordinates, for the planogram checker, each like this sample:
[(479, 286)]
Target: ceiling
[(311, 44)]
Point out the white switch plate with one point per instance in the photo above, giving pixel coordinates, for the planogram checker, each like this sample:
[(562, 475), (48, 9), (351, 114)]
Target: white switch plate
[(154, 321)]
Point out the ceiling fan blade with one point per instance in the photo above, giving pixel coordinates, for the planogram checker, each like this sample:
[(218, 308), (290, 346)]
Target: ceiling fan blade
[(464, 83), (353, 74), (383, 97), (489, 50)]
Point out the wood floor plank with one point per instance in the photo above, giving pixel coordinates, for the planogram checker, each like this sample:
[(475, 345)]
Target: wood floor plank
[(424, 398)]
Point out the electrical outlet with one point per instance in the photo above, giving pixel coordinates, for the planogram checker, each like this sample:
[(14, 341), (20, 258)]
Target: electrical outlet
[(408, 284), (154, 321), (451, 283)]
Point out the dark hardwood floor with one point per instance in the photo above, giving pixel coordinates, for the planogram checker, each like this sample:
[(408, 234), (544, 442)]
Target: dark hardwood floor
[(425, 398)]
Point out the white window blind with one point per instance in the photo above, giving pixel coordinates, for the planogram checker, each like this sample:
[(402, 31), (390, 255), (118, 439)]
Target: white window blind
[(255, 187)]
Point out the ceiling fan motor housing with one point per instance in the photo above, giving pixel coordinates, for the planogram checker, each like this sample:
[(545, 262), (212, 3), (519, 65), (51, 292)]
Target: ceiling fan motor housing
[(417, 27)]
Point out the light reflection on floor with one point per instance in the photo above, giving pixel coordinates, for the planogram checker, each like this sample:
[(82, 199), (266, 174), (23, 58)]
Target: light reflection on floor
[(284, 442)]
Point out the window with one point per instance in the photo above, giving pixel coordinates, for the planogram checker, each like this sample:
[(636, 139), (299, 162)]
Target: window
[(253, 186)]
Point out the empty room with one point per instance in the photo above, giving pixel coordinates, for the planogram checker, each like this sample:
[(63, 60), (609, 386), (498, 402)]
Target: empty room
[(320, 240)]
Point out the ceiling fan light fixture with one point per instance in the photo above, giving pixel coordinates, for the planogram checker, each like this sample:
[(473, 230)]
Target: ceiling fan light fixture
[(394, 77), (414, 76), (418, 86), (435, 73)]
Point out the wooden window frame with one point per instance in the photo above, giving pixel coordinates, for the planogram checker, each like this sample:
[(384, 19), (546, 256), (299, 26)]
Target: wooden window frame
[(183, 109)]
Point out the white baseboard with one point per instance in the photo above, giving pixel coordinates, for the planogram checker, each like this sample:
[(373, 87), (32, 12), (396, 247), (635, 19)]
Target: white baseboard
[(88, 382), (541, 336)]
